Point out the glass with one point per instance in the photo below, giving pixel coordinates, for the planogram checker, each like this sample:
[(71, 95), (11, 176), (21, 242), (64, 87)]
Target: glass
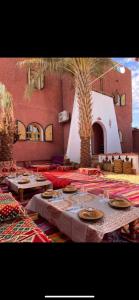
[(32, 175), (75, 202), (82, 202), (58, 195), (104, 198), (106, 194)]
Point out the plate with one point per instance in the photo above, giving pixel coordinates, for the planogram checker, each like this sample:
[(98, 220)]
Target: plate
[(40, 179), (119, 203), (90, 214), (63, 205), (23, 182), (46, 196), (69, 190), (50, 194)]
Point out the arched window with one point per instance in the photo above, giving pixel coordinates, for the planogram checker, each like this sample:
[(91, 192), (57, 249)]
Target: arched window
[(21, 131), (49, 133), (120, 136), (34, 132)]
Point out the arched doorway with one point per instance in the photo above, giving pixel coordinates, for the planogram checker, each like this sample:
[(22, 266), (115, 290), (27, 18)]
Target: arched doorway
[(97, 139)]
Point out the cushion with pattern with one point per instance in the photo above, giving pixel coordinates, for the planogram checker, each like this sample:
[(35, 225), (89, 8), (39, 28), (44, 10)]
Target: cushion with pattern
[(9, 207), (58, 183)]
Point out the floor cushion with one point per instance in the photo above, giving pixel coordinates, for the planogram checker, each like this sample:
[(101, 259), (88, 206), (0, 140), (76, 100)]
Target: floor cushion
[(65, 168), (58, 183), (57, 159), (90, 171), (9, 208)]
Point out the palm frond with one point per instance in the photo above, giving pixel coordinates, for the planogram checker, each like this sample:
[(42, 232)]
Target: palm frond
[(7, 120), (29, 90), (42, 64), (101, 65), (40, 67)]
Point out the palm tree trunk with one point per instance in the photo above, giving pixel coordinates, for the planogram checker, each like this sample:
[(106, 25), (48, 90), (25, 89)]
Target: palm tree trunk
[(85, 159), (6, 147), (83, 90)]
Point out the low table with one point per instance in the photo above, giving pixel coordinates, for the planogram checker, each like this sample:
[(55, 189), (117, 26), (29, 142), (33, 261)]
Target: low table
[(60, 213), (20, 188)]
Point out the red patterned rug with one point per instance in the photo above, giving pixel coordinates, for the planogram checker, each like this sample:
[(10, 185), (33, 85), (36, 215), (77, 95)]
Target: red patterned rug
[(22, 230), (52, 232), (97, 185)]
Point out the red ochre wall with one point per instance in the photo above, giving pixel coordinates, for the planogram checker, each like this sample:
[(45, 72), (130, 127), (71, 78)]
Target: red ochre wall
[(123, 83), (68, 98), (43, 109), (112, 81), (136, 140), (58, 95)]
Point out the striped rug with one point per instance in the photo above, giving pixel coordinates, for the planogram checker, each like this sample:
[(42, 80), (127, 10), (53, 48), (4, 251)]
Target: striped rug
[(97, 185)]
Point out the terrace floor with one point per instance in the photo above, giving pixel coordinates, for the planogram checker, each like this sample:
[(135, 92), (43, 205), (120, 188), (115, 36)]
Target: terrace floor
[(130, 178)]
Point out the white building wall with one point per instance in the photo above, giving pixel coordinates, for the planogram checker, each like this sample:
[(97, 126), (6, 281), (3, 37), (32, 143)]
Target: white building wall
[(103, 112)]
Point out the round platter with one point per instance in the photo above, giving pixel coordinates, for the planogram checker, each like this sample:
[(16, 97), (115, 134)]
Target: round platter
[(46, 196), (119, 203), (40, 179), (23, 182), (69, 190), (90, 215)]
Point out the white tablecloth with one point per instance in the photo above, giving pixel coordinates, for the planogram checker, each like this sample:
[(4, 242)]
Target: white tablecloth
[(59, 214), (15, 186)]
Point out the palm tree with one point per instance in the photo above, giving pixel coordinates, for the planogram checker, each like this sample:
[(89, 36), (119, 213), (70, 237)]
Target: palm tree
[(82, 70), (7, 124)]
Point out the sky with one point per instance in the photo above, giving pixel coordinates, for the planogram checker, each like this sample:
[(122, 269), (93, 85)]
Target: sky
[(134, 67)]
